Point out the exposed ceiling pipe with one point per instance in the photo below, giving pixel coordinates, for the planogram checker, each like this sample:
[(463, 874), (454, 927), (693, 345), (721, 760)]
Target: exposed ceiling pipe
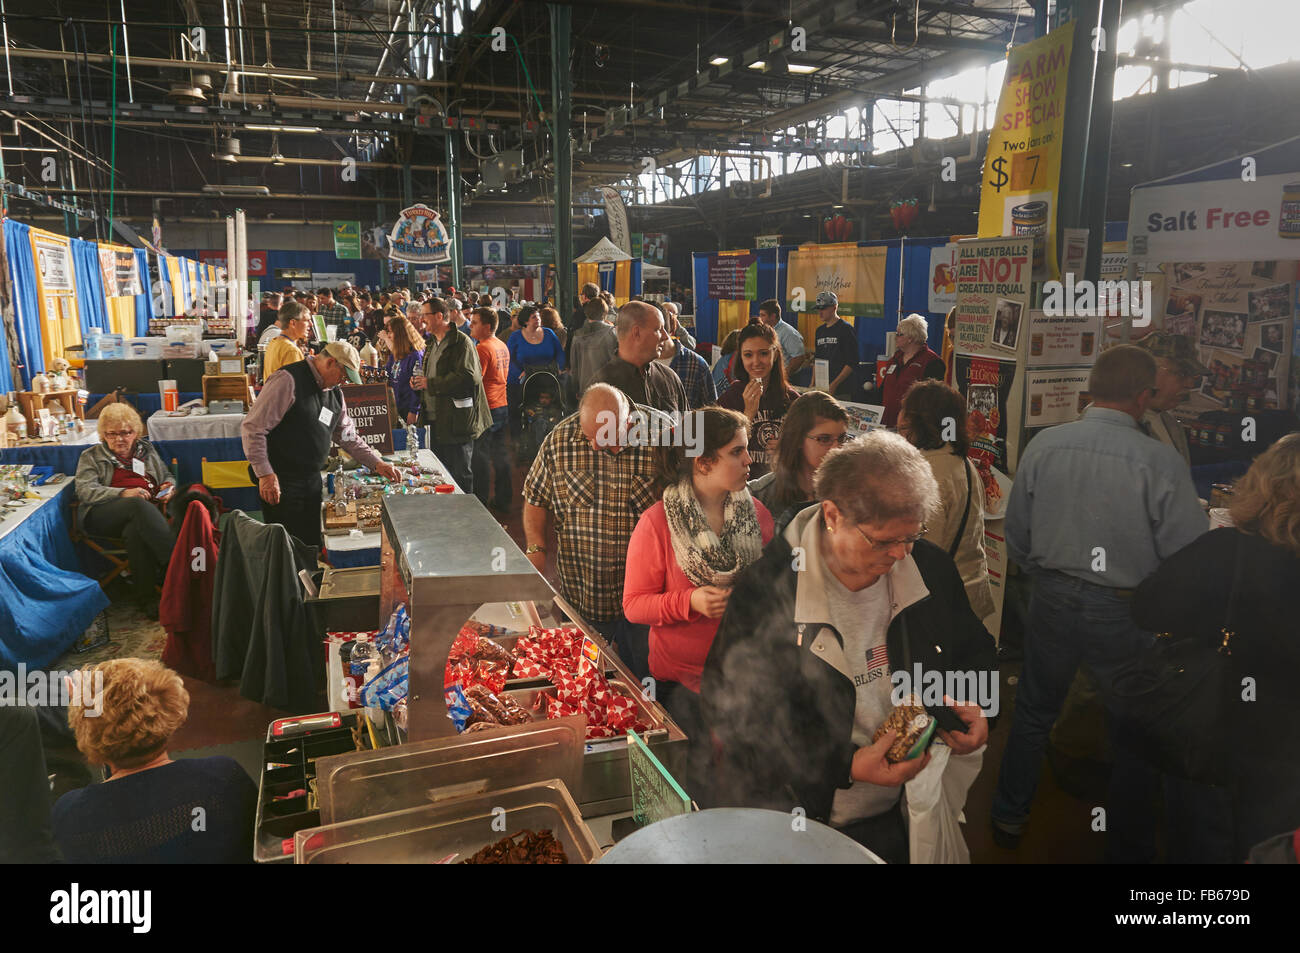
[(333, 163), (232, 78), (397, 21), (280, 72), (126, 49)]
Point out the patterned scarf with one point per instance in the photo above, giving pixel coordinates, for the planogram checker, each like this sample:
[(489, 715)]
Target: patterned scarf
[(706, 558)]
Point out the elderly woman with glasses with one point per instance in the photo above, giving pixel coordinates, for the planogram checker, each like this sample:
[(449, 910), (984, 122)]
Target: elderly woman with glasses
[(118, 482), (827, 633)]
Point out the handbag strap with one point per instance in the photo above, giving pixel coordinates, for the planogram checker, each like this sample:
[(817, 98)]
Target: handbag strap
[(961, 528), (1238, 572)]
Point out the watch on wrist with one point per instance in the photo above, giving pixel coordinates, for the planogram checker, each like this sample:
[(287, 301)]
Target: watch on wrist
[(534, 548)]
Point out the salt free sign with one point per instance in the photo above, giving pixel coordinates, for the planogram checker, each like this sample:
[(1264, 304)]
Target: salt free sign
[(96, 907)]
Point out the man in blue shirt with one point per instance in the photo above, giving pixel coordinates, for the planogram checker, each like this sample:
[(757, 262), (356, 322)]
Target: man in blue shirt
[(1096, 506)]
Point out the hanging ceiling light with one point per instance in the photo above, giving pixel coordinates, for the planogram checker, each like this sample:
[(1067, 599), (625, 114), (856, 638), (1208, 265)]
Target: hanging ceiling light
[(228, 150), (276, 158)]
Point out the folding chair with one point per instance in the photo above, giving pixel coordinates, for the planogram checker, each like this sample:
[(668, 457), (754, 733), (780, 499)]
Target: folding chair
[(111, 548)]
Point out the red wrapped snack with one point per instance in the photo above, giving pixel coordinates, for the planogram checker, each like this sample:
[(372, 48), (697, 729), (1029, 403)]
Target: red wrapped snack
[(620, 713), (601, 731), (527, 668), (558, 709), (569, 688)]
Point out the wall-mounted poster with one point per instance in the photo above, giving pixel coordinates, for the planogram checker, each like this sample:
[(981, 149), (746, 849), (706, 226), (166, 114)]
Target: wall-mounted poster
[(1240, 314), (992, 295), (419, 237), (494, 253), (943, 277), (992, 406), (1056, 396), (53, 264), (1063, 339)]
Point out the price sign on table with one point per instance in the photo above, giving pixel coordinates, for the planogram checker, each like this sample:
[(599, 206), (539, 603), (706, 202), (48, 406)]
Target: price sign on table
[(655, 793)]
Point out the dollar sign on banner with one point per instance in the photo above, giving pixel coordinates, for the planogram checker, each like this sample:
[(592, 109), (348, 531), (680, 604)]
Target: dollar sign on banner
[(1000, 178)]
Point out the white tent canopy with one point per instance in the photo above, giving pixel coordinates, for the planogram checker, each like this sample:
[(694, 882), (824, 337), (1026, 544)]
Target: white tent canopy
[(603, 250), (659, 272)]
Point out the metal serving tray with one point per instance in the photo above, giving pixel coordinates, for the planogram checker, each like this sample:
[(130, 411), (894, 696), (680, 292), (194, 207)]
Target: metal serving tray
[(459, 826)]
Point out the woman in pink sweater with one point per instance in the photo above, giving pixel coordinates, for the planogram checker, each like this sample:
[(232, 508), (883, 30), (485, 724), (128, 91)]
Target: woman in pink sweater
[(683, 556)]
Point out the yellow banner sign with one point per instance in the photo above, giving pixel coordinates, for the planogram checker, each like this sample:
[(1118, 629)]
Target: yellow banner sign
[(855, 275), (1022, 168)]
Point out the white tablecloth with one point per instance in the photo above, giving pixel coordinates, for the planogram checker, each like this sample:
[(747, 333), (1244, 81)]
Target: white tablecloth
[(371, 538), (201, 427), (15, 515)]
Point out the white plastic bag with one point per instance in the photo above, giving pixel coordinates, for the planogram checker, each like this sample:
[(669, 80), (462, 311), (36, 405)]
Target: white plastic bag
[(935, 799)]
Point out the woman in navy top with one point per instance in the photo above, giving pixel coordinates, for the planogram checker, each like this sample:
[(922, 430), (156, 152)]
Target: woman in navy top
[(151, 810), (408, 357), (533, 346)]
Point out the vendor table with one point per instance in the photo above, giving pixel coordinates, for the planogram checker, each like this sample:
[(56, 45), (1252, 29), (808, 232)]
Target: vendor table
[(361, 547), (45, 601), (61, 454), (163, 426)]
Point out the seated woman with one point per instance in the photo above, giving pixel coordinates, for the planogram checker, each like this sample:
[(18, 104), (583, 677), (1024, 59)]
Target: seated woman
[(149, 810), (684, 555), (760, 391), (814, 425), (118, 482), (801, 672), (958, 524), (1244, 579), (407, 357)]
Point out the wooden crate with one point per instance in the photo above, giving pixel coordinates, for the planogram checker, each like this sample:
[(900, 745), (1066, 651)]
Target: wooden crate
[(227, 387)]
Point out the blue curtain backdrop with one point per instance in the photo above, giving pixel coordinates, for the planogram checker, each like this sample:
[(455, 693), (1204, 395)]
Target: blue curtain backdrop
[(167, 305), (143, 301), (27, 315), (92, 308), (184, 265)]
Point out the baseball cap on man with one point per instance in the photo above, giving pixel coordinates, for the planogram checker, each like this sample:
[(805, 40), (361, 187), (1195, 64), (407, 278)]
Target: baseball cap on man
[(1178, 349), (827, 299), (348, 359)]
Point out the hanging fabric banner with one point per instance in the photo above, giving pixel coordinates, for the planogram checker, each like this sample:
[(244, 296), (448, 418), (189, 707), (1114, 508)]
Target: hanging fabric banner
[(617, 215), (56, 293), (118, 267), (855, 274), (1022, 166)]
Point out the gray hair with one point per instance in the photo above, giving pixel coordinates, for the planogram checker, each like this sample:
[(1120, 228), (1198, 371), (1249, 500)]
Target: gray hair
[(672, 304), (877, 478), (291, 310), (915, 327)]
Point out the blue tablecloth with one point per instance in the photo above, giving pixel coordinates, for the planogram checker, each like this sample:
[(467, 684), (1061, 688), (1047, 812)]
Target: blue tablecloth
[(354, 559), (188, 455), (45, 601)]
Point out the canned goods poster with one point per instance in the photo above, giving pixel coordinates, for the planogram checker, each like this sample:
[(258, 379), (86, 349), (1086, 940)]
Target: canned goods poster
[(1240, 314), (1056, 396), (992, 296), (1063, 339), (1022, 167), (992, 423)]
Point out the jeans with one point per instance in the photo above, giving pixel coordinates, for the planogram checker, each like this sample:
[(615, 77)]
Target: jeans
[(458, 459), (148, 538), (492, 459), (1072, 622), (299, 508), (630, 641)]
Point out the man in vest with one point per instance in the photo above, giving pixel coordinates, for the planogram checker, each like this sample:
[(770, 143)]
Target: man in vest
[(287, 437)]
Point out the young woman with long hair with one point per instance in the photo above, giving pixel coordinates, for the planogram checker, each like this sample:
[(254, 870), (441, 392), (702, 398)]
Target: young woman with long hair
[(814, 425), (760, 391)]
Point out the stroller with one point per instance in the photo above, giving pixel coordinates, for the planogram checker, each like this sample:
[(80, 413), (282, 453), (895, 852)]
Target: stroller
[(543, 407)]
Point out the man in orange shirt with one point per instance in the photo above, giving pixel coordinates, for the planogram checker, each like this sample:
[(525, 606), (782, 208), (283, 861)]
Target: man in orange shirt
[(490, 448)]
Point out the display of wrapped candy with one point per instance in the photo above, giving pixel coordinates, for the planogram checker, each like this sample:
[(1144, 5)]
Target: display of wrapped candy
[(609, 712), (526, 847), (488, 706), (915, 727), (541, 651), (475, 659)]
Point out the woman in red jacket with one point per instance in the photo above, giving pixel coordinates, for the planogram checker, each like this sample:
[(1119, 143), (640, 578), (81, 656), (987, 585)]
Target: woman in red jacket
[(913, 361), (682, 558)]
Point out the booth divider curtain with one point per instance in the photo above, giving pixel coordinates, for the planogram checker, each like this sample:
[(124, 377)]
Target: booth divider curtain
[(27, 314), (92, 307), (144, 300)]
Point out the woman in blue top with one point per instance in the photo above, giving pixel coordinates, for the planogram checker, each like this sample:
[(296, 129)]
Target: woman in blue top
[(533, 347), (408, 356)]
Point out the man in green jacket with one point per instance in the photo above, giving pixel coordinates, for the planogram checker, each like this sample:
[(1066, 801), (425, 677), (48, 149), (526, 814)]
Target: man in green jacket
[(455, 406)]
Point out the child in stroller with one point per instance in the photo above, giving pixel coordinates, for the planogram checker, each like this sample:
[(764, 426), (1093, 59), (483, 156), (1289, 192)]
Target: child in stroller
[(543, 408)]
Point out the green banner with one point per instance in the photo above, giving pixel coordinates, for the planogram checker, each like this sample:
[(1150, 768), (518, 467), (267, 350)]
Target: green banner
[(347, 239), (540, 252)]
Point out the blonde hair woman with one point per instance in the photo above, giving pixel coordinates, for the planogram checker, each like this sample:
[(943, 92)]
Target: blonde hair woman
[(1243, 579), (118, 482), (151, 809)]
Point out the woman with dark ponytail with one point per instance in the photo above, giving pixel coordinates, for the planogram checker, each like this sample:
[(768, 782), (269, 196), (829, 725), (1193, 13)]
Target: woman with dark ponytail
[(683, 557), (760, 391)]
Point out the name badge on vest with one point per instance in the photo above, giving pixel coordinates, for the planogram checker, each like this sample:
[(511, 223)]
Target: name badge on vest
[(137, 465), (326, 416), (890, 369), (463, 403)]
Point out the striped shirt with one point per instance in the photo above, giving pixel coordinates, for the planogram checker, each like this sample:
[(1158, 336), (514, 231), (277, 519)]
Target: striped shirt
[(595, 499)]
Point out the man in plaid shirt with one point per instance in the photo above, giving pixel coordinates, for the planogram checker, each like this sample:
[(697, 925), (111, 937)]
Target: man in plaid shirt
[(335, 314), (689, 366), (594, 490)]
